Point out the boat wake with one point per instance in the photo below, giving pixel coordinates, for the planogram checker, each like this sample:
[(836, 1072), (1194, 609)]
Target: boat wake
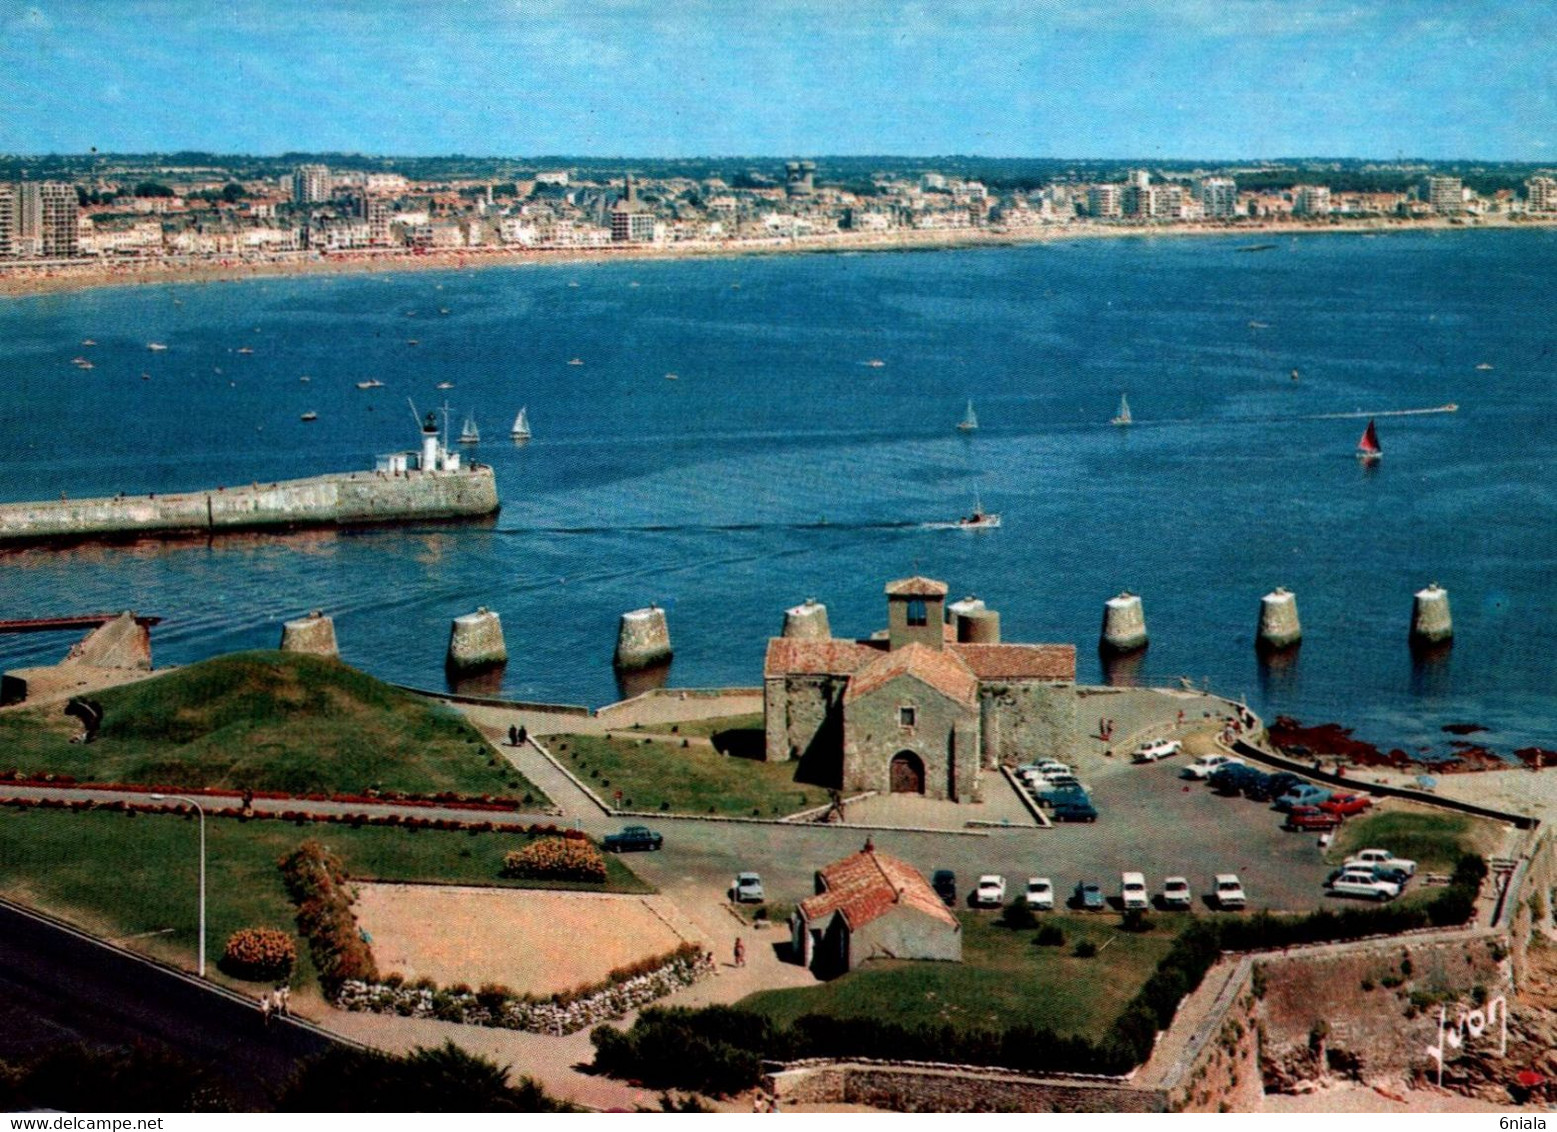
[(1361, 414)]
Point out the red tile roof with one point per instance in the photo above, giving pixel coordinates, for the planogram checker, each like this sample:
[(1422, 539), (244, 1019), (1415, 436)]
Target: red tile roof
[(1020, 662), (835, 657), (917, 586), (941, 669), (870, 884)]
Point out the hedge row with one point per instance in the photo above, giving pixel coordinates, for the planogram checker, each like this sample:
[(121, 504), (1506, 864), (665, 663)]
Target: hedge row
[(556, 858), (719, 1049), (397, 797), (318, 885), (297, 817)]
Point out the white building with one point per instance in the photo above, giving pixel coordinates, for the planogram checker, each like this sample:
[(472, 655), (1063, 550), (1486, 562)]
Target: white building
[(311, 184), (1105, 202), (1541, 194), (1311, 200), (1446, 195), (1218, 198)]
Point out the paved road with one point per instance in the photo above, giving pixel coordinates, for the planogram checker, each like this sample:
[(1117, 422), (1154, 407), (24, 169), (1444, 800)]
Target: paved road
[(57, 985)]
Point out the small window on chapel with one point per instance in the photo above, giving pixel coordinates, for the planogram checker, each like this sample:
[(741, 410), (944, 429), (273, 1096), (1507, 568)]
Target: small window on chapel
[(905, 716), (917, 614)]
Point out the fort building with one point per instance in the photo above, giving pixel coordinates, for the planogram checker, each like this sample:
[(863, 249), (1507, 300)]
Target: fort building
[(921, 708)]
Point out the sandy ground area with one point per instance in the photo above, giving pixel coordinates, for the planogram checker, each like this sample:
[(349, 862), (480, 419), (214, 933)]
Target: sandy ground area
[(529, 941), (1352, 1097)]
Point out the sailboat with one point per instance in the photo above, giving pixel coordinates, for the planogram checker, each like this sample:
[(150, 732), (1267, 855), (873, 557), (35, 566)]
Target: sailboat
[(970, 420), (1124, 417), (470, 434), (1368, 449), (521, 429)]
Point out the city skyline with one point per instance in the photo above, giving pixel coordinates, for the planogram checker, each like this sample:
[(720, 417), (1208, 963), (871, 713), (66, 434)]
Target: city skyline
[(1241, 79)]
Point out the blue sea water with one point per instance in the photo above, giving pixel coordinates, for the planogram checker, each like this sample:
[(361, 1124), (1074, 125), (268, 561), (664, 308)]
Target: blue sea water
[(778, 466)]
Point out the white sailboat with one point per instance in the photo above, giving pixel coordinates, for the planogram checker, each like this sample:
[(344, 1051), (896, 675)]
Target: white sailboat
[(521, 429), (980, 520), (970, 420), (1124, 417), (470, 434)]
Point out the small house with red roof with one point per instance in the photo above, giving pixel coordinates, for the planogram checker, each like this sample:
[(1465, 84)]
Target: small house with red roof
[(923, 708), (872, 906)]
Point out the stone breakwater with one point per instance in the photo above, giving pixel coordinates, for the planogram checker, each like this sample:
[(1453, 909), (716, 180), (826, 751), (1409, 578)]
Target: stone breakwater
[(340, 499), (558, 1015)]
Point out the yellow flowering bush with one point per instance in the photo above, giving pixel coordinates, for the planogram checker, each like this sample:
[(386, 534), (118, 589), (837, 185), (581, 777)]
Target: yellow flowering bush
[(259, 954), (556, 858)]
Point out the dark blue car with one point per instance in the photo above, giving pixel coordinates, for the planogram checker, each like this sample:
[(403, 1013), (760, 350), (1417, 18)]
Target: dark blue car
[(1088, 897)]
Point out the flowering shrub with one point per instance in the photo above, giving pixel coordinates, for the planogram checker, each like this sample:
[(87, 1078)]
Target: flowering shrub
[(556, 858), (318, 885), (259, 954)]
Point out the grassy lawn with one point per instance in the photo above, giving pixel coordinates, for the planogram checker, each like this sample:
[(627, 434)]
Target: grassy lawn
[(267, 721), (119, 876), (707, 728), (656, 775), (1434, 840), (1004, 979)]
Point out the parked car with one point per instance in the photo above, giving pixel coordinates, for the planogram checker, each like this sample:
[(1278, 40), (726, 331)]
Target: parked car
[(1205, 764), (748, 889), (1175, 893), (1305, 794), (1382, 857), (1346, 805), (1273, 787), (632, 838), (1132, 891), (1064, 792), (991, 892), (944, 881), (1040, 893), (1378, 872), (1156, 749), (1229, 892), (1231, 779), (1361, 882), (1077, 808), (1306, 819), (1088, 897)]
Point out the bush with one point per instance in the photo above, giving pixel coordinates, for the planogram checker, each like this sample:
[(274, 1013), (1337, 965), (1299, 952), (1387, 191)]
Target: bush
[(1135, 920), (1086, 949), (259, 954), (1050, 935), (556, 858), (318, 885), (1018, 915)]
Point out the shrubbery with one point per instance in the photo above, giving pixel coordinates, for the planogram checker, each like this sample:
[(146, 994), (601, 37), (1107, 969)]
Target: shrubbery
[(317, 884), (259, 954), (556, 858)]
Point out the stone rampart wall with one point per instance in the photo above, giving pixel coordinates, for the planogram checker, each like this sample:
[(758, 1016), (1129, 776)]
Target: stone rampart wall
[(346, 499), (916, 1089)]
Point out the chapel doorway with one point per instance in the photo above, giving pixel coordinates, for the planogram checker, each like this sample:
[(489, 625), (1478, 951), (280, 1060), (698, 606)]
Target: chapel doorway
[(907, 775)]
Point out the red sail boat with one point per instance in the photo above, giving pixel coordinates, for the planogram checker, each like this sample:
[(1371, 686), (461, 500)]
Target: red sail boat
[(1368, 447)]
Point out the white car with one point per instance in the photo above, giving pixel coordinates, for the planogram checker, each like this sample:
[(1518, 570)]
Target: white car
[(1360, 881), (1157, 749), (748, 889), (1383, 858), (1132, 891), (1205, 765), (1040, 894), (1229, 892), (991, 891), (1176, 894)]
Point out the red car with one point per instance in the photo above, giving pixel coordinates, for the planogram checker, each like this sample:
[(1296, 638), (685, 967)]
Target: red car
[(1311, 818), (1345, 805)]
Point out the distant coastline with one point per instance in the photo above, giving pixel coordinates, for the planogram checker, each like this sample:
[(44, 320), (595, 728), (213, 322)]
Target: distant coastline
[(59, 277)]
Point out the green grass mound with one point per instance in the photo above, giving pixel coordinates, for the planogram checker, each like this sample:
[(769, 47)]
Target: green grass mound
[(271, 721)]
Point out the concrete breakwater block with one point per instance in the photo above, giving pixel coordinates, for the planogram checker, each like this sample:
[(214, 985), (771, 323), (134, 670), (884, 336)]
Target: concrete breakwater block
[(476, 642), (1431, 623), (643, 640), (1279, 625), (807, 622), (1124, 624), (314, 634)]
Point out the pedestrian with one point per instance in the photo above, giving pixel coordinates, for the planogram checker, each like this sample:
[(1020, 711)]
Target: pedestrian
[(248, 801), (740, 952), (756, 1102), (513, 736), (1181, 717), (284, 1000), (265, 1009), (523, 735)]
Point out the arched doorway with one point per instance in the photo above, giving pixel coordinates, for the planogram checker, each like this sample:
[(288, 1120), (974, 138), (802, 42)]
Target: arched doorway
[(907, 775)]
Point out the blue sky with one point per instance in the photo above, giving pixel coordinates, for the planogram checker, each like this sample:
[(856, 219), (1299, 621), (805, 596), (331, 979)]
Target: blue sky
[(1043, 78)]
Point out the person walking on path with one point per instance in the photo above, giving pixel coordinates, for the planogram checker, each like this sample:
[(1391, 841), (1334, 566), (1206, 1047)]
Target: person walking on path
[(513, 736), (265, 1009), (740, 952)]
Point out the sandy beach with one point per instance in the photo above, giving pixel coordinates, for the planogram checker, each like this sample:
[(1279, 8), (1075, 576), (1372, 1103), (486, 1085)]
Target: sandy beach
[(22, 279)]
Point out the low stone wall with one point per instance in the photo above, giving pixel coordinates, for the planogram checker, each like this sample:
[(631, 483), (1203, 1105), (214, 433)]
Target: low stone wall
[(345, 499), (906, 1088), (561, 1015)]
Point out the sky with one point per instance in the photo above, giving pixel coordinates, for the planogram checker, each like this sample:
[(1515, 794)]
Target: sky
[(1168, 79)]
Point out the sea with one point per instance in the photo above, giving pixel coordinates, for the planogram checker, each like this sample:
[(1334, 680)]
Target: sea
[(741, 434)]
